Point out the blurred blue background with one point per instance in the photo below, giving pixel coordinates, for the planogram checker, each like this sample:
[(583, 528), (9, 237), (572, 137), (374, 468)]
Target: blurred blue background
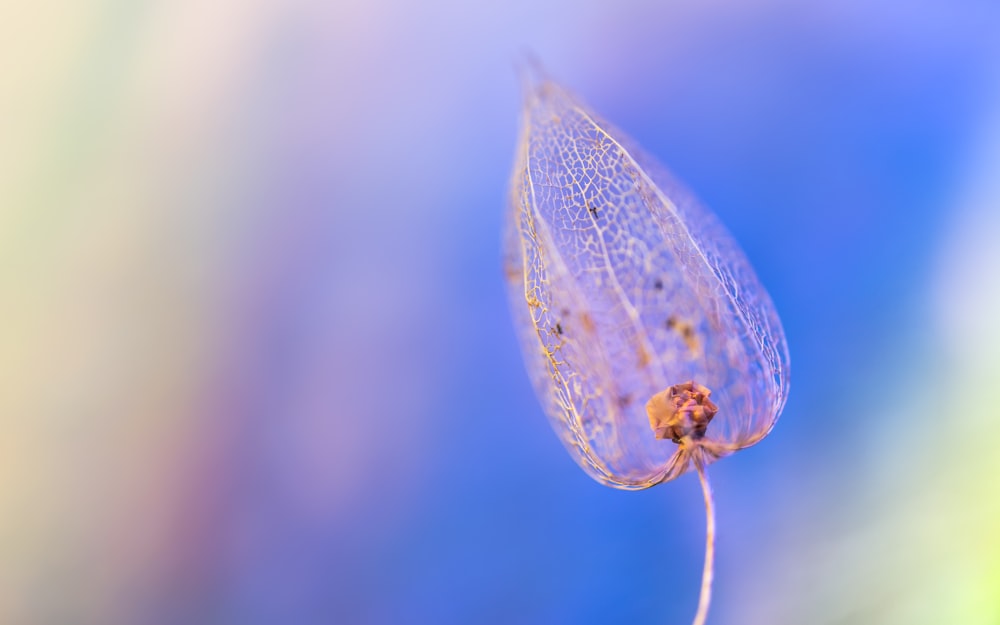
[(256, 364)]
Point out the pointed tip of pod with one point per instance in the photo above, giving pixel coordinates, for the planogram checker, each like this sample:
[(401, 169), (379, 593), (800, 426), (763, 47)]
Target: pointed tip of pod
[(530, 71), (536, 83)]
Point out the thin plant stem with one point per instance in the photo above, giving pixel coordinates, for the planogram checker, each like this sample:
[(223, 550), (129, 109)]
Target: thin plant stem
[(709, 571)]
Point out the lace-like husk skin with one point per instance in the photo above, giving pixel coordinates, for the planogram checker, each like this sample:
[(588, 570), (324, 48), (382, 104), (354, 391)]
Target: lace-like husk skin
[(622, 285)]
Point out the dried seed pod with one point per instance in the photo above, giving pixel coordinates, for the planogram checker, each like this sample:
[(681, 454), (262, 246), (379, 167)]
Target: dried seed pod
[(681, 412), (623, 286)]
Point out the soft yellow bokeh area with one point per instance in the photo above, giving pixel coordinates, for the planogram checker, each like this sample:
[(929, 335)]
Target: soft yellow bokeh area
[(132, 149), (108, 287)]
